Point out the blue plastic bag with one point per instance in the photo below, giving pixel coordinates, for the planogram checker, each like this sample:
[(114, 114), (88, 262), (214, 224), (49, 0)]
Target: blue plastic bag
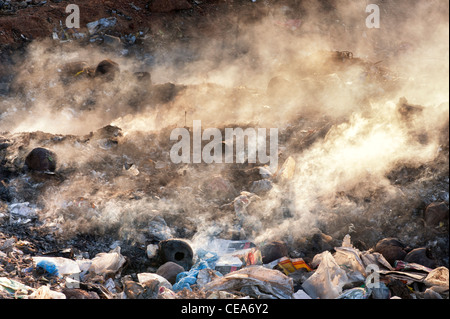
[(49, 267), (188, 278)]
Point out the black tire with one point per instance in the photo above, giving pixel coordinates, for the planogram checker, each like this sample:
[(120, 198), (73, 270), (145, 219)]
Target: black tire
[(177, 251)]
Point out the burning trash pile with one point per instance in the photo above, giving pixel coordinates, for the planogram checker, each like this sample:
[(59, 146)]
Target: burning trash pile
[(101, 199)]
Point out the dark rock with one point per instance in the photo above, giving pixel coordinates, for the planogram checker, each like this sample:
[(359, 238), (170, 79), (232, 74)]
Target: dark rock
[(41, 159), (108, 131), (273, 251), (392, 249), (170, 270), (435, 213), (177, 251), (421, 256), (107, 70)]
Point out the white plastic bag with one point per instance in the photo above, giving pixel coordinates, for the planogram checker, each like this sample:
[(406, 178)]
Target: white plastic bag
[(44, 292), (104, 262), (349, 257), (438, 279), (146, 276), (328, 279), (301, 294), (257, 281)]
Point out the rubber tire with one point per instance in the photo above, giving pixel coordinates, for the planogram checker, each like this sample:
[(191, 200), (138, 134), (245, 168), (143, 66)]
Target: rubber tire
[(177, 251)]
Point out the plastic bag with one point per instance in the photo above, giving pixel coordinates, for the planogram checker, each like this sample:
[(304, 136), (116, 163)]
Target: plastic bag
[(231, 255), (104, 262), (354, 293), (375, 259), (44, 292), (380, 292), (145, 276), (349, 257), (188, 278), (328, 279), (166, 293), (15, 288), (256, 281), (438, 278), (57, 265), (301, 294)]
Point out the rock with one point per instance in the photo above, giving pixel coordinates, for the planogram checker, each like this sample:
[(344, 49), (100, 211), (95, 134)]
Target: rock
[(107, 69), (169, 5), (41, 159), (170, 270), (108, 132), (421, 256), (391, 249), (152, 251), (435, 213), (177, 251), (273, 250), (73, 293)]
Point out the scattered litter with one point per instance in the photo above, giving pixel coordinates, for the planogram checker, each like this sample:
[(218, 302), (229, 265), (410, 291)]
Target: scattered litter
[(101, 25), (255, 281)]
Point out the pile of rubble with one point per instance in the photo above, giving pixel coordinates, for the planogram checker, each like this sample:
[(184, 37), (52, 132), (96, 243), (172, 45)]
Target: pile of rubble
[(231, 270), (108, 215), (39, 258)]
